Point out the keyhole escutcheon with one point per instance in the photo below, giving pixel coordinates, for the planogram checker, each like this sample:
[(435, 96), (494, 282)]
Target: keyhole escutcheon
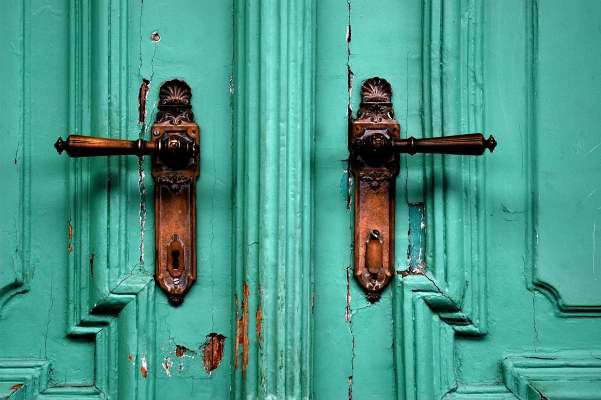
[(175, 257)]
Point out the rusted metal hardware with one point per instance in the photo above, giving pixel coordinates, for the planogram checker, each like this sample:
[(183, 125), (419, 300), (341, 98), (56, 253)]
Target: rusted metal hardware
[(374, 145), (174, 147)]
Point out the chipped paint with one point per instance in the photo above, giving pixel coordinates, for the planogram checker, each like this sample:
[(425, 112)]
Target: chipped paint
[(350, 387), (14, 388), (92, 264), (142, 94), (416, 262), (181, 351), (347, 308), (144, 367), (174, 357), (212, 351), (242, 331), (350, 74), (167, 364), (259, 324), (69, 238), (131, 358), (142, 212)]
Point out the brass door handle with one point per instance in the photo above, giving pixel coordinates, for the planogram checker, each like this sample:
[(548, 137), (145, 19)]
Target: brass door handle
[(89, 146), (174, 148), (378, 143), (374, 144)]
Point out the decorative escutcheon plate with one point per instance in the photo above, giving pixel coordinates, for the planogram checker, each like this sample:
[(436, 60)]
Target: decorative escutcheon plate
[(175, 190)]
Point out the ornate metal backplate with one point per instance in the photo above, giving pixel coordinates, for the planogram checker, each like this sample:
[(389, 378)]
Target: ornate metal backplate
[(374, 170), (175, 190)]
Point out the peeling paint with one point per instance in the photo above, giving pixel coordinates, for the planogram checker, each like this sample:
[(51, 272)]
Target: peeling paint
[(349, 108), (242, 331), (348, 316), (174, 357), (144, 367), (167, 364), (348, 63), (212, 351), (142, 94), (347, 308), (181, 351), (15, 387), (350, 387), (142, 189), (92, 264), (416, 262), (69, 237), (259, 324)]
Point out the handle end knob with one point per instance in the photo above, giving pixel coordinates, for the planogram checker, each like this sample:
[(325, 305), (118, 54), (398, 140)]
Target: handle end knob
[(490, 143), (59, 145)]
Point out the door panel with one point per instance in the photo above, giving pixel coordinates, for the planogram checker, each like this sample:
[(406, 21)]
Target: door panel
[(495, 296), (32, 291), (496, 289), (97, 328), (540, 225), (565, 152), (356, 41)]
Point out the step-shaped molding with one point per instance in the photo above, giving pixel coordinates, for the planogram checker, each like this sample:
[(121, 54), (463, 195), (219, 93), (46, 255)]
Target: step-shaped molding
[(428, 321), (17, 267), (273, 135), (29, 380), (455, 186), (568, 374), (101, 278), (31, 374), (449, 298), (480, 392)]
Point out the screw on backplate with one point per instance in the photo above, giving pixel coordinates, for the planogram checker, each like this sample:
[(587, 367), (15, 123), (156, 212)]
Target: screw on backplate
[(156, 132)]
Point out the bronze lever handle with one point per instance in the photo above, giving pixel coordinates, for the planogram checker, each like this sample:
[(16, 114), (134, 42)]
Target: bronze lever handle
[(172, 148), (89, 146), (377, 143), (473, 144)]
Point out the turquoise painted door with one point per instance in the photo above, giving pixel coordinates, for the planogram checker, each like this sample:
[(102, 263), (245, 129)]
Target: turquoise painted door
[(503, 297)]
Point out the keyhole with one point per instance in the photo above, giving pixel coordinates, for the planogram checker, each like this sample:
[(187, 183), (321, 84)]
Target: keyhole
[(175, 258)]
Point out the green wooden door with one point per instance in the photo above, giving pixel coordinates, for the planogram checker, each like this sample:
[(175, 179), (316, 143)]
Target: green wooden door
[(504, 298)]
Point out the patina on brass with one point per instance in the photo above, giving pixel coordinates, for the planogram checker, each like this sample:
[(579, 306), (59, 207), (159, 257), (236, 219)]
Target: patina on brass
[(374, 146), (174, 147)]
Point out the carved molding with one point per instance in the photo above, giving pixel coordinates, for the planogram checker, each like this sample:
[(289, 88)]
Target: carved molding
[(19, 259), (376, 97), (262, 249), (175, 106), (175, 183), (100, 281), (434, 304), (552, 375)]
